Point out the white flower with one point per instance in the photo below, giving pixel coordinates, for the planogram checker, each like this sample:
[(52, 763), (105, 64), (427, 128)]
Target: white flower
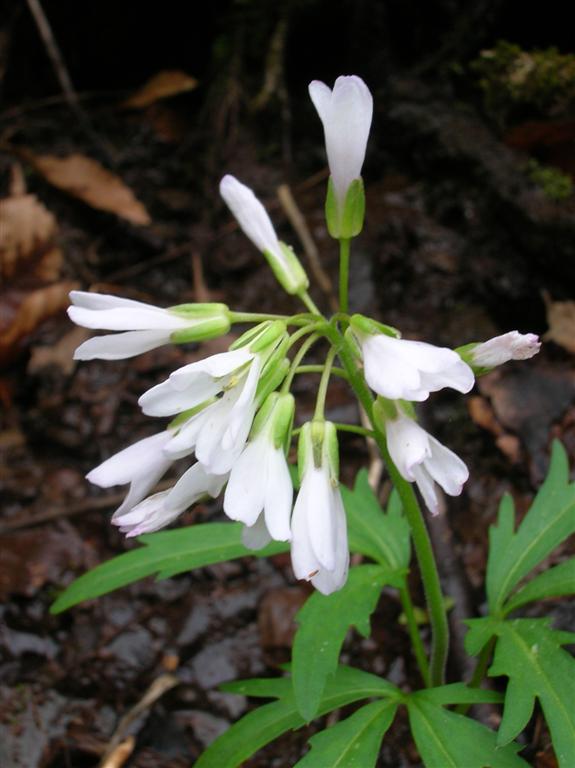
[(422, 459), (256, 224), (346, 114), (141, 464), (260, 491), (501, 349), (319, 549), (162, 508), (145, 326), (410, 370)]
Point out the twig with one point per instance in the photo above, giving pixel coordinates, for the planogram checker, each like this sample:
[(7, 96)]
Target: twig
[(201, 291), (63, 76), (157, 689), (298, 222), (120, 754)]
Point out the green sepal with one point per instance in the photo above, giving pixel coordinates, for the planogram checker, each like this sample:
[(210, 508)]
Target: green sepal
[(343, 225), (272, 379), (275, 415), (331, 451), (181, 418), (304, 449), (363, 326), (353, 343), (202, 331), (466, 354), (261, 336), (200, 311), (384, 410), (289, 273)]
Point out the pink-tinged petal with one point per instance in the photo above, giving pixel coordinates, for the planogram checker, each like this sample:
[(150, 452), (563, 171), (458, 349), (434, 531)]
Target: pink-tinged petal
[(508, 346), (120, 346)]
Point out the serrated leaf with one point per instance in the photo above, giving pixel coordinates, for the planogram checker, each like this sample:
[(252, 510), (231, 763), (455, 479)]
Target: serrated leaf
[(264, 724), (323, 624), (354, 742), (550, 520), (383, 536), (529, 652), (555, 582), (446, 739), (165, 554)]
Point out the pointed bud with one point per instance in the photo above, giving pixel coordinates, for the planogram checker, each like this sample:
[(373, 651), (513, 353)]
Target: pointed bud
[(501, 349), (256, 224)]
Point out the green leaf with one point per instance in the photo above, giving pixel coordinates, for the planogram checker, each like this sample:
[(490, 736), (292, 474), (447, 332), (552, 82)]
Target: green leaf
[(550, 520), (448, 740), (529, 652), (165, 554), (264, 724), (459, 693), (323, 624), (354, 742), (383, 536), (555, 582)]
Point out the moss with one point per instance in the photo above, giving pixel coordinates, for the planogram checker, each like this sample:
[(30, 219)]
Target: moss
[(555, 185), (518, 83)]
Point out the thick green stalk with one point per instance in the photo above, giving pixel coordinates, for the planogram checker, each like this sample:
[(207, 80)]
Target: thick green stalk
[(413, 629), (322, 389), (419, 534), (344, 248)]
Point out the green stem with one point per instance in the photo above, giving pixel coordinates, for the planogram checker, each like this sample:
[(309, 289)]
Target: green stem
[(413, 629), (319, 369), (323, 385), (344, 249), (298, 357), (479, 672), (308, 301), (419, 534), (257, 317)]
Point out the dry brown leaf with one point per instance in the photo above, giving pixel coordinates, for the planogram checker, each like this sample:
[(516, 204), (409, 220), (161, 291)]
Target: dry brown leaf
[(27, 230), (60, 354), (167, 83), (561, 321), (32, 310), (84, 178)]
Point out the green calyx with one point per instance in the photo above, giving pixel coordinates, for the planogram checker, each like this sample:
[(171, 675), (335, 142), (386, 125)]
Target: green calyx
[(288, 269), (466, 354), (261, 336), (384, 410), (347, 223), (276, 418), (318, 447), (181, 418), (365, 326), (207, 321)]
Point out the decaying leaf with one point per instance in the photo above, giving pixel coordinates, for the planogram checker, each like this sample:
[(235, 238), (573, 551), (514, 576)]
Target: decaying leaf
[(28, 311), (86, 179), (27, 232), (60, 354), (167, 83), (561, 321)]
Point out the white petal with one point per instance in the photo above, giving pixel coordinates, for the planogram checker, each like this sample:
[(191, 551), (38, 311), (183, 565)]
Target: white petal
[(408, 445), (278, 496), (250, 215), (508, 346), (215, 366), (191, 486), (164, 400), (120, 346), (100, 301), (387, 372), (320, 94), (459, 377), (147, 516), (124, 465), (127, 319), (330, 581), (244, 497), (427, 488), (446, 468), (321, 521), (184, 442), (142, 483), (256, 536), (304, 562)]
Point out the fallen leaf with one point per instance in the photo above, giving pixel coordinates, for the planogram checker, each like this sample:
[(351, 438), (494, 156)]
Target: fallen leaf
[(60, 354), (561, 322), (167, 83), (86, 179), (483, 415), (28, 311), (27, 231)]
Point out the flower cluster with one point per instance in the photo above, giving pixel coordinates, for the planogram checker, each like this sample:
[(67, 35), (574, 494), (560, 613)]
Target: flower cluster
[(232, 413)]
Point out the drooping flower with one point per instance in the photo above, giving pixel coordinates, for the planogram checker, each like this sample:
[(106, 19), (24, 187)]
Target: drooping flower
[(346, 114), (501, 349), (260, 492), (144, 327), (408, 370), (256, 224), (319, 549), (141, 465), (160, 509), (423, 460)]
